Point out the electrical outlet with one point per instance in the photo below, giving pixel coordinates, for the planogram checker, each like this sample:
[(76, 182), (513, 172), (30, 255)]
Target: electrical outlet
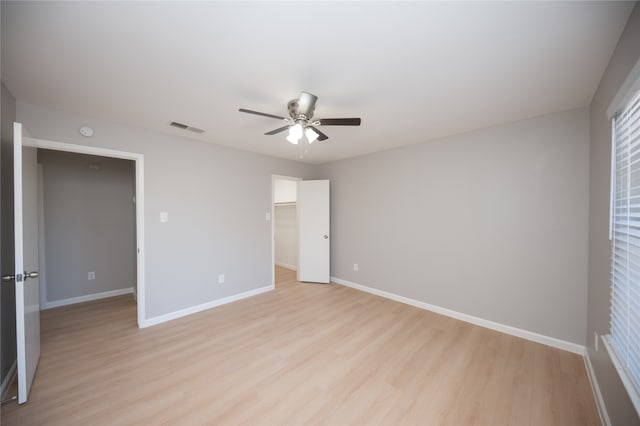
[(91, 276), (221, 279), (355, 267), (595, 339)]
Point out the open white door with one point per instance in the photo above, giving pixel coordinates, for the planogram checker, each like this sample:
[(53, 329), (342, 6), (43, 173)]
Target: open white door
[(313, 236), (25, 171)]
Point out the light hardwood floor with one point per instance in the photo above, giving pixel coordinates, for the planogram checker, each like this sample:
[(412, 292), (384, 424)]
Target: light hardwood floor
[(302, 354)]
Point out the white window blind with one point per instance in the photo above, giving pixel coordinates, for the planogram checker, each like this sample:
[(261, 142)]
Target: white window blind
[(625, 234)]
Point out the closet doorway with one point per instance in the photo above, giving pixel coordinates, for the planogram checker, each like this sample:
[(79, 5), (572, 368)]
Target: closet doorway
[(284, 233), (138, 287), (87, 227)]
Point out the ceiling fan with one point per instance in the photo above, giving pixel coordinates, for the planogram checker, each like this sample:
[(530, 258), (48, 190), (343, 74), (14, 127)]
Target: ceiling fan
[(301, 125)]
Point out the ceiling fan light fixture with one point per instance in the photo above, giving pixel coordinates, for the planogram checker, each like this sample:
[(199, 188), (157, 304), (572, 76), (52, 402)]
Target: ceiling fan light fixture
[(311, 135), (295, 134), (303, 128)]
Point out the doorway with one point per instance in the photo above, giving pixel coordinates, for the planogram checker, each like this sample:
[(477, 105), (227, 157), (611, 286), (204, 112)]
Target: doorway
[(284, 229), (27, 301), (86, 215), (138, 234)]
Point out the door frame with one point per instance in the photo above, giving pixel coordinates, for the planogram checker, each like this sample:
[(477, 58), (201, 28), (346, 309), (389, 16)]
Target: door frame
[(42, 266), (139, 162), (273, 221)]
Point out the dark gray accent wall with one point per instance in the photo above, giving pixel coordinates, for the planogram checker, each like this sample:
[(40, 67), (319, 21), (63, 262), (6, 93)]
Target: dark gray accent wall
[(7, 291), (89, 224), (619, 407)]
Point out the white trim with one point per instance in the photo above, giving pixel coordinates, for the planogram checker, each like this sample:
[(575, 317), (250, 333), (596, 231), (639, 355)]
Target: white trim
[(627, 91), (8, 379), (139, 159), (79, 149), (507, 329), (86, 298), (21, 354), (140, 279), (286, 265), (632, 391), (42, 267), (612, 184), (595, 387), (204, 306)]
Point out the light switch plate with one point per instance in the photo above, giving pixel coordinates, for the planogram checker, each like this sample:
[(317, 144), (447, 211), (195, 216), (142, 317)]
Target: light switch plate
[(164, 217), (267, 216)]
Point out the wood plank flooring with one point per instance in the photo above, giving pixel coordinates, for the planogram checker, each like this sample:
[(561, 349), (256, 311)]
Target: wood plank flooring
[(302, 354)]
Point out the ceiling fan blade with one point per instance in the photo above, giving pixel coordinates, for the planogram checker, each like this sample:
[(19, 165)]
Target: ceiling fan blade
[(278, 130), (339, 121), (248, 111), (321, 136)]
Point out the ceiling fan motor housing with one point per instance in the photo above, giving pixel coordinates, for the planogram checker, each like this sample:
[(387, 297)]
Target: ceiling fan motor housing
[(303, 106)]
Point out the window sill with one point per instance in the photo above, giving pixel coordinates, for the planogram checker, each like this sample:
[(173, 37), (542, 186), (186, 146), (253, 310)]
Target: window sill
[(633, 392)]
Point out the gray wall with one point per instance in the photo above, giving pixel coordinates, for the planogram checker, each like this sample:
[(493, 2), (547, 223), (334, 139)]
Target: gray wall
[(491, 223), (89, 223), (286, 235), (625, 56), (214, 227), (8, 295)]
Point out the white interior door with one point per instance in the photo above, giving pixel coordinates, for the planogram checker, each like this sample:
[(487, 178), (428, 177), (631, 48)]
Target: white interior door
[(25, 170), (313, 236)]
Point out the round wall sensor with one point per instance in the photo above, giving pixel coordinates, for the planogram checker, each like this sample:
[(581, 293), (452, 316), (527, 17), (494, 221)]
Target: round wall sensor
[(86, 131)]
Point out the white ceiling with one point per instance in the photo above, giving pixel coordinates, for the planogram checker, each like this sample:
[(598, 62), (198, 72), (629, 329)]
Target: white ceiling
[(413, 71)]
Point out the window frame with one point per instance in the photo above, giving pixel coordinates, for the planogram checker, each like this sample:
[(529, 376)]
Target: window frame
[(628, 94)]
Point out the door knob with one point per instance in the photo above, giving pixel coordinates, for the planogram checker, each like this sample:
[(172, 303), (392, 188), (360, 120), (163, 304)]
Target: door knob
[(33, 274), (7, 278), (326, 236)]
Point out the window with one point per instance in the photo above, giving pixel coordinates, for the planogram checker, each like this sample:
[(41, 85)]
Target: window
[(624, 340)]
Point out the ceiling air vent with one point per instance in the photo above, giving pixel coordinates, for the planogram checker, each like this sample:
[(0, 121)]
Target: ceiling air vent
[(186, 127)]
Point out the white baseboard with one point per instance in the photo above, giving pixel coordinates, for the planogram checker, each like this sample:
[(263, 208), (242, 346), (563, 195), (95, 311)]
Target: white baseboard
[(6, 382), (507, 329), (203, 307), (86, 298), (602, 409), (286, 265)]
